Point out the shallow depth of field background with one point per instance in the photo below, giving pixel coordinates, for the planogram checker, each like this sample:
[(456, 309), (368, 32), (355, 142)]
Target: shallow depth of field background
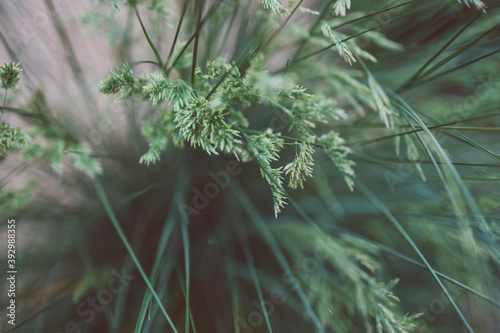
[(68, 249)]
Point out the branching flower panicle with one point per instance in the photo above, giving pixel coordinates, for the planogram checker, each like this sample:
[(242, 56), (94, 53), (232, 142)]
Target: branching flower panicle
[(83, 159), (265, 149), (9, 73), (10, 136), (342, 48), (341, 7), (381, 102), (205, 127), (302, 165), (123, 81), (215, 124), (475, 3), (158, 88), (334, 147), (275, 6)]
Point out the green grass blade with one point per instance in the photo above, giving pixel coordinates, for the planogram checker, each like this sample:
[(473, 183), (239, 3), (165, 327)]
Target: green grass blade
[(104, 199), (454, 175), (388, 250), (185, 242), (166, 234), (377, 203), (235, 298), (443, 125)]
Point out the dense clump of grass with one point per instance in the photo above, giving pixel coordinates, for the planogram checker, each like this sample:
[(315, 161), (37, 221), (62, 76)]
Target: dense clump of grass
[(253, 166)]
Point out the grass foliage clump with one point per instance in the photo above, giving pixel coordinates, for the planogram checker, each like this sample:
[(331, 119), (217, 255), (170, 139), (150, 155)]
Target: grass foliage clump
[(252, 166)]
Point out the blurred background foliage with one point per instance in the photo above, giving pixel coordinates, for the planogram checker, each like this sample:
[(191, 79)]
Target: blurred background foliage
[(406, 93)]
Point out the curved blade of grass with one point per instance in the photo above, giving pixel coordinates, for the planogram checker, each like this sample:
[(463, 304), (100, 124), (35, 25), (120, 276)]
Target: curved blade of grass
[(396, 253), (455, 175), (427, 266), (388, 250), (462, 137), (458, 212), (443, 125), (381, 161), (104, 200), (370, 196)]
